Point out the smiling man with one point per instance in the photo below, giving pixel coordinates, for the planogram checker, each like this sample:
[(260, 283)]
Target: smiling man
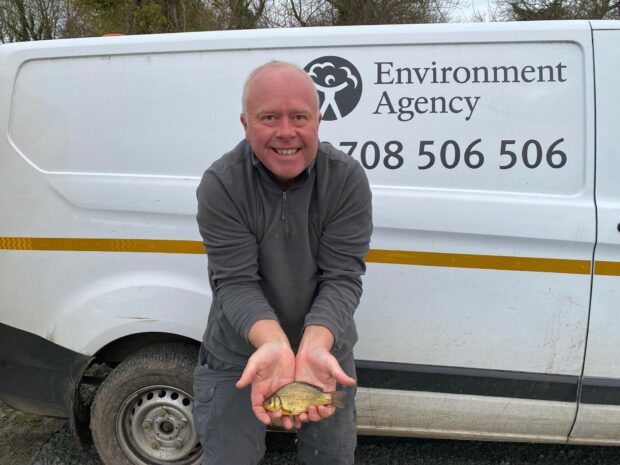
[(286, 222)]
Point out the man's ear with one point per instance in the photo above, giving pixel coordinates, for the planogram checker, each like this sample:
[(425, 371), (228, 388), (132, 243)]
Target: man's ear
[(244, 121), (320, 118)]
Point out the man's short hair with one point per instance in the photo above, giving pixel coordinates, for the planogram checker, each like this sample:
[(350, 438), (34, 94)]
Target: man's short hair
[(274, 64)]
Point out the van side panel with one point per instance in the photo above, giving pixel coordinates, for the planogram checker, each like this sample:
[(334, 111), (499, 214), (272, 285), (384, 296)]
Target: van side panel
[(478, 152), (598, 420)]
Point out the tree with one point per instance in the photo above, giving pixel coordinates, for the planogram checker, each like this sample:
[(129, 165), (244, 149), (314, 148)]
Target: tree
[(351, 12), (528, 10), (23, 20), (356, 12), (239, 14), (47, 19), (309, 13), (97, 17)]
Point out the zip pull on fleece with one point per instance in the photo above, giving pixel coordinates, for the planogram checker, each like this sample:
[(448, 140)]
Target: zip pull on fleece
[(284, 213)]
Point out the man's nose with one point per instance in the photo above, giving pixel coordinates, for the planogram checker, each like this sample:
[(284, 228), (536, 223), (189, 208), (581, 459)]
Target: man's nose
[(286, 130)]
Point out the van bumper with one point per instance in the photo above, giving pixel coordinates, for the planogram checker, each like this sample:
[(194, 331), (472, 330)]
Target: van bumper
[(38, 376)]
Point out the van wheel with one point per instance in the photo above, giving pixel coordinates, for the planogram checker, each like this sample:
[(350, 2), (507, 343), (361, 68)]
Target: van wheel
[(142, 413)]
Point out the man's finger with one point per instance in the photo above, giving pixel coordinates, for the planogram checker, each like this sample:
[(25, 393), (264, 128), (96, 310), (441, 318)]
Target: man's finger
[(326, 411), (287, 422), (275, 416), (313, 413), (261, 414)]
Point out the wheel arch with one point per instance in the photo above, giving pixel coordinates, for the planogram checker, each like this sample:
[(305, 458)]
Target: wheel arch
[(119, 349), (112, 354)]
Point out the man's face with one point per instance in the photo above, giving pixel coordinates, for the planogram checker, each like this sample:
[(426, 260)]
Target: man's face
[(282, 122)]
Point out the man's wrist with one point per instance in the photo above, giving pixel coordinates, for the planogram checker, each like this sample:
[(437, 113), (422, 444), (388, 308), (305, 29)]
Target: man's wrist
[(267, 331), (316, 336)]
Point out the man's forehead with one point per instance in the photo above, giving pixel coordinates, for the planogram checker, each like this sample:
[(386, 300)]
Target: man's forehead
[(298, 94), (280, 80), (280, 71)]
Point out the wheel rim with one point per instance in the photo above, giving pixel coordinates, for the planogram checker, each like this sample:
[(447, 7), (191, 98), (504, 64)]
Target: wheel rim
[(154, 426)]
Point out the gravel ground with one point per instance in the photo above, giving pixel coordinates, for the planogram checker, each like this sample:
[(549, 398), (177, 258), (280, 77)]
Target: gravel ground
[(21, 435), (31, 440), (61, 449)]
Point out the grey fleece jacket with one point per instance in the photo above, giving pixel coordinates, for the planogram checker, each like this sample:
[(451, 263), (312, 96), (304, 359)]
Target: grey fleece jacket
[(295, 256)]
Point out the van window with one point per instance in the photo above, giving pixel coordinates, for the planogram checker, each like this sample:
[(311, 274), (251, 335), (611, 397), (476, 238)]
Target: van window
[(148, 114)]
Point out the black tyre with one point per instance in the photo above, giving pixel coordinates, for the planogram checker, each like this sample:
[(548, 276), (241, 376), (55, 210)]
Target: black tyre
[(142, 413)]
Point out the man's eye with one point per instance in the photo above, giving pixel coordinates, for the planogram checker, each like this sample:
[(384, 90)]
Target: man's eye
[(300, 117), (268, 118)]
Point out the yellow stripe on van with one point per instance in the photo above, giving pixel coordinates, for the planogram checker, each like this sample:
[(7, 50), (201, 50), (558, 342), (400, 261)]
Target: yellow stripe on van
[(397, 257), (101, 245), (603, 268), (486, 262)]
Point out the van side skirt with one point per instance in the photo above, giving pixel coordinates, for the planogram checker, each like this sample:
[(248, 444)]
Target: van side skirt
[(38, 376), (469, 381)]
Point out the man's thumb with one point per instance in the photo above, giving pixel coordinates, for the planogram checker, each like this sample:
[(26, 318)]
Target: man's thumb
[(246, 377), (341, 377)]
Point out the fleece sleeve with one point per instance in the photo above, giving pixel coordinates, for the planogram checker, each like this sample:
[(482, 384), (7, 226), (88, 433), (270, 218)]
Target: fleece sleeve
[(343, 246), (233, 255)]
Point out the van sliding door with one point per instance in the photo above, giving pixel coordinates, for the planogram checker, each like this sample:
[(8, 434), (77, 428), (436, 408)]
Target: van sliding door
[(599, 409)]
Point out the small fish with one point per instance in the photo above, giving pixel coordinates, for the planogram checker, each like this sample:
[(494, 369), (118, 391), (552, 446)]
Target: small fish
[(295, 398)]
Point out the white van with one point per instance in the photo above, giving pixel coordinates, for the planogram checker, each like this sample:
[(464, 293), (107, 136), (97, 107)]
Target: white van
[(491, 302)]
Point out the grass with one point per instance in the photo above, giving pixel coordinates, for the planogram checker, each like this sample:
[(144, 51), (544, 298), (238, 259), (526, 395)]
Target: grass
[(24, 419)]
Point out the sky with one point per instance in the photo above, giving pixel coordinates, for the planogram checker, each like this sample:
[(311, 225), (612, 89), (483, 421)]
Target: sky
[(468, 7)]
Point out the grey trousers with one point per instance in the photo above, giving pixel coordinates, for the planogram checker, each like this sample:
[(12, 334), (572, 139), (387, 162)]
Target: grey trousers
[(231, 434)]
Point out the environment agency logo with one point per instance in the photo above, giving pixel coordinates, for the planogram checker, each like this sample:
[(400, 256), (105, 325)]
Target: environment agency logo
[(339, 84)]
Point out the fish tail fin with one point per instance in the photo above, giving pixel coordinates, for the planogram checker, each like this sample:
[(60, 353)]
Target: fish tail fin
[(337, 397)]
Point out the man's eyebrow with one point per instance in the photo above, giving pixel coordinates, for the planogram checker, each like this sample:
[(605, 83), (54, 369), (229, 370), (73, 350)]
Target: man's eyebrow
[(266, 111), (296, 111)]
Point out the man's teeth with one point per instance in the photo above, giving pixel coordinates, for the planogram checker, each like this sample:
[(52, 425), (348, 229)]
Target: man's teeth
[(286, 151)]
